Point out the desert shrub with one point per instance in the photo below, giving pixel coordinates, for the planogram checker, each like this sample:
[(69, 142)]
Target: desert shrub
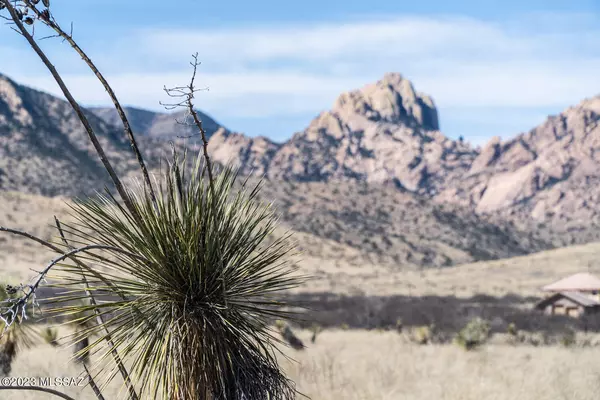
[(512, 329), (426, 334), (316, 330), (421, 335), (50, 336), (568, 338), (542, 338), (474, 334), (532, 339), (290, 337), (18, 337), (399, 325), (280, 324), (194, 280), (513, 334)]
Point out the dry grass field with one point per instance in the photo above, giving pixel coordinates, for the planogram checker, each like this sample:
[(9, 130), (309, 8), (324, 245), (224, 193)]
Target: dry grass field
[(361, 364), (371, 365)]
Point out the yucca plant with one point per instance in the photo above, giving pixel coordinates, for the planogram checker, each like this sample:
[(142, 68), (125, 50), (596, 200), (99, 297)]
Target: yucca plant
[(182, 282), (189, 292)]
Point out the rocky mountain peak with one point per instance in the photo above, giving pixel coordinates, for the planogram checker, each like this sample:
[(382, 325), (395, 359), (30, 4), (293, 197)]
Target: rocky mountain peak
[(392, 99), (592, 104), (548, 173), (384, 133)]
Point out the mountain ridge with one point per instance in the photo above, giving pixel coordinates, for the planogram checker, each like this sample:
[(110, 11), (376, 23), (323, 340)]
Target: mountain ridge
[(343, 177), (158, 125), (384, 133)]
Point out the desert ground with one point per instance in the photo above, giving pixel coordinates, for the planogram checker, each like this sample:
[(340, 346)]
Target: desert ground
[(352, 362), (373, 365), (521, 276)]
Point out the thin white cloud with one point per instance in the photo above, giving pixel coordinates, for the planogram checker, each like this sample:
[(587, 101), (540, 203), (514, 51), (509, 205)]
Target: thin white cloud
[(514, 83), (235, 94), (535, 61), (545, 60), (404, 36)]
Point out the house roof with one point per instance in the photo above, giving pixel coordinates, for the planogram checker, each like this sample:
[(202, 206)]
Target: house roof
[(578, 282), (579, 298)]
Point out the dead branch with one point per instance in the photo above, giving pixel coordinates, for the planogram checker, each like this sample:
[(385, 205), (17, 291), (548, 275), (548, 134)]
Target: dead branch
[(38, 389), (187, 94), (53, 24), (91, 134), (93, 384), (60, 251), (18, 307)]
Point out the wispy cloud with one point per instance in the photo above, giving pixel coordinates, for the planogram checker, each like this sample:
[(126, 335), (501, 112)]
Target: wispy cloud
[(537, 61)]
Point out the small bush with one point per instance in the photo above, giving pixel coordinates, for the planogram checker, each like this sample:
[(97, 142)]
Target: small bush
[(474, 334), (279, 324), (15, 338), (567, 339), (316, 329), (422, 335), (399, 325), (50, 336), (288, 335), (534, 339)]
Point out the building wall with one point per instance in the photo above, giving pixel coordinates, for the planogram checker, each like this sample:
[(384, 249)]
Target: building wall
[(564, 306)]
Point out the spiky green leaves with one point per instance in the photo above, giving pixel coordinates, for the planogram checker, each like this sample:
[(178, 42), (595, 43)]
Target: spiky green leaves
[(189, 296)]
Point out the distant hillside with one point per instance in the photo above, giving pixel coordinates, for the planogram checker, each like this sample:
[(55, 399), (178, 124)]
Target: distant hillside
[(367, 177), (165, 126), (551, 173), (44, 148), (384, 133)]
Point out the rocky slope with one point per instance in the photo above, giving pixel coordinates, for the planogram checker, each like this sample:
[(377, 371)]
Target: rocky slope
[(384, 133), (551, 173), (368, 175), (164, 126), (398, 229), (45, 150)]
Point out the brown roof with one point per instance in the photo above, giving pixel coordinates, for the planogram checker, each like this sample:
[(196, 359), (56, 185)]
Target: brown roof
[(578, 282), (579, 298)]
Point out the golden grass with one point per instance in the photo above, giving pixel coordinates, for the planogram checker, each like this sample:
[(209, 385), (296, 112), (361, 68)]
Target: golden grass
[(519, 275), (368, 364), (361, 365)]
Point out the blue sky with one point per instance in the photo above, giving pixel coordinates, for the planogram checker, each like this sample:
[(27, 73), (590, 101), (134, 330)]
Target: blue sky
[(492, 67)]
